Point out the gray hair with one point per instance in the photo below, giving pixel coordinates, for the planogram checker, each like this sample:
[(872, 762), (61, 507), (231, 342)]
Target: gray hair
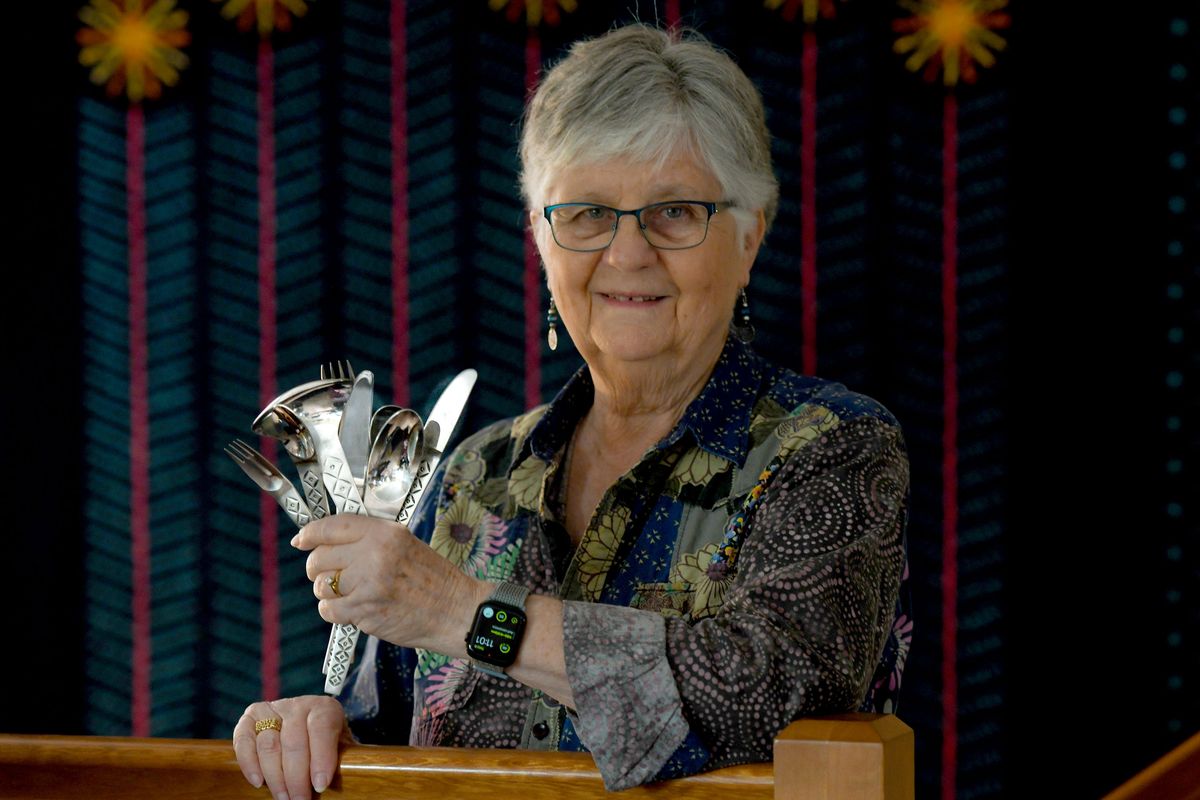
[(647, 94)]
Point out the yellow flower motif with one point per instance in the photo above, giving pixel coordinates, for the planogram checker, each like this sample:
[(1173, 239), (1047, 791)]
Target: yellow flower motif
[(951, 33), (804, 428), (268, 14), (597, 550), (525, 483), (697, 467), (708, 581), (457, 534), (534, 10), (136, 48)]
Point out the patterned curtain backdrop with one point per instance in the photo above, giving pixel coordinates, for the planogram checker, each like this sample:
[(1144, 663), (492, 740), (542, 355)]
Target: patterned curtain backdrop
[(255, 188)]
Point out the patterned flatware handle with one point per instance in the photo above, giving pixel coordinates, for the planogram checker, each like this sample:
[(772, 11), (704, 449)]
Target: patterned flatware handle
[(339, 653), (294, 506), (314, 488)]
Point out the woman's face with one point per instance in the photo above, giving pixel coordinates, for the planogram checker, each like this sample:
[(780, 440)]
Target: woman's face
[(632, 302)]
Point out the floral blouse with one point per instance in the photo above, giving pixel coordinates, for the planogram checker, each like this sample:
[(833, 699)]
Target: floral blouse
[(745, 573)]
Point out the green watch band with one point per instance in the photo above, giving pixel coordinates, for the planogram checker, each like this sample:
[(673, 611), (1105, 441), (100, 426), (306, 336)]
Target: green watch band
[(495, 634)]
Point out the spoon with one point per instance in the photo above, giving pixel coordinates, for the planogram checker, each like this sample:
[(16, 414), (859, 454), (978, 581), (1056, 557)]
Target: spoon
[(392, 464), (280, 422)]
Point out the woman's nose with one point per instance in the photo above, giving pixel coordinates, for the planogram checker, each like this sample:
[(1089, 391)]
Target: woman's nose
[(629, 248)]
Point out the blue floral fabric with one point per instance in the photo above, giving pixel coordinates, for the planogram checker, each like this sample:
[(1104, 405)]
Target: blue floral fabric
[(756, 552)]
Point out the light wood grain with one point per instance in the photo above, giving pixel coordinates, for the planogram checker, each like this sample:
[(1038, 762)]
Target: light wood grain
[(106, 768)]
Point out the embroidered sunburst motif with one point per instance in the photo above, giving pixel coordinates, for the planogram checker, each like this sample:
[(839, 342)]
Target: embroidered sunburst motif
[(535, 10), (707, 580), (954, 34), (266, 15), (467, 536), (133, 46), (599, 548)]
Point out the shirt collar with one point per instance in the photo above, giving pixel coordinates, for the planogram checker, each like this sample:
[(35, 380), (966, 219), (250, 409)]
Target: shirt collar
[(718, 419)]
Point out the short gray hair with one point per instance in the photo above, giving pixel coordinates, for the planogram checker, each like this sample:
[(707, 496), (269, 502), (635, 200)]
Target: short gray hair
[(644, 93)]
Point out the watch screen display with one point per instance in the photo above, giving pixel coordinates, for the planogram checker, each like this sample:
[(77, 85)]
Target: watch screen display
[(496, 633)]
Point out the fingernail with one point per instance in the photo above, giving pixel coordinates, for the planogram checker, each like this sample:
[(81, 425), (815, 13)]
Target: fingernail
[(320, 782), (282, 796), (255, 780), (295, 539)]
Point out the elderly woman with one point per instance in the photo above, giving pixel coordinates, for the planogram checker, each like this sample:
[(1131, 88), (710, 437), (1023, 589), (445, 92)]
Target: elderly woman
[(688, 548)]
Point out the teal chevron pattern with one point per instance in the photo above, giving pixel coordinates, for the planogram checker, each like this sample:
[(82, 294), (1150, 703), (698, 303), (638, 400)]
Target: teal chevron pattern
[(175, 469), (107, 565), (176, 476), (498, 254), (230, 251), (364, 130), (983, 327), (302, 281)]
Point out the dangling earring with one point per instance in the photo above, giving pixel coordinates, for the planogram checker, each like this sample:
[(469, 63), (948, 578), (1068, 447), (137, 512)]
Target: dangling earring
[(552, 321), (743, 329)]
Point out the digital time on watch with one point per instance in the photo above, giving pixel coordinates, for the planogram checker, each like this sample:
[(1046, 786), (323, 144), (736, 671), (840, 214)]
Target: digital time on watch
[(495, 635)]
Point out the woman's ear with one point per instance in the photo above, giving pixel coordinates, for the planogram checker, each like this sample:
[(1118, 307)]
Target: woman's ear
[(752, 240)]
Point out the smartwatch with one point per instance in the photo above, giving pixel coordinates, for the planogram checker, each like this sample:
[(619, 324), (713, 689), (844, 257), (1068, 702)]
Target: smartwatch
[(495, 635)]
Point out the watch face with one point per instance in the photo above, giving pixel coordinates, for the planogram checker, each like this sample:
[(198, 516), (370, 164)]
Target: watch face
[(496, 633)]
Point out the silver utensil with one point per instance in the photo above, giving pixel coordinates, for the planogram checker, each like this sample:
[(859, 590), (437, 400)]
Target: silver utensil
[(393, 463), (270, 480), (354, 426), (280, 422)]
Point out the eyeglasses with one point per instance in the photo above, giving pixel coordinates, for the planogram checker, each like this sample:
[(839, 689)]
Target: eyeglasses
[(673, 225)]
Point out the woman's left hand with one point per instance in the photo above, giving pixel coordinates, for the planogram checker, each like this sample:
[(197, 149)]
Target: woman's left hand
[(389, 583)]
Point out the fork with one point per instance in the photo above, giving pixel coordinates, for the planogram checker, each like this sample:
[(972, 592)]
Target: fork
[(338, 370), (270, 480)]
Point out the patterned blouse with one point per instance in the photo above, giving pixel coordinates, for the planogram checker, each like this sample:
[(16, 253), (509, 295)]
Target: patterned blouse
[(745, 573)]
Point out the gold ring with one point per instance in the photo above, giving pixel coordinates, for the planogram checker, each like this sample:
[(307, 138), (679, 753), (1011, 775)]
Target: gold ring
[(333, 582), (273, 724)]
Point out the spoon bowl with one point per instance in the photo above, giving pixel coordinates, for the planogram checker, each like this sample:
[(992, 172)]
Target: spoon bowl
[(392, 464)]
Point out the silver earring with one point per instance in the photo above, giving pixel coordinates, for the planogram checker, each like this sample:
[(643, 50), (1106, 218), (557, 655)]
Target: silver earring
[(552, 321), (743, 328)]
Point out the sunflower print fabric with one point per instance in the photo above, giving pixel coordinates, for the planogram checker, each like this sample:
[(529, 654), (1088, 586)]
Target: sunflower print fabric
[(746, 572)]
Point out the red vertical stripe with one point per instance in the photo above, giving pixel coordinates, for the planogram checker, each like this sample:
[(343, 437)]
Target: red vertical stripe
[(268, 527), (400, 322), (808, 202), (671, 14), (533, 278), (139, 419), (949, 446)]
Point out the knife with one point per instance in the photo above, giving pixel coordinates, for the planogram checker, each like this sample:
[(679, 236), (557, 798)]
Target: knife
[(447, 411), (354, 429), (440, 425)]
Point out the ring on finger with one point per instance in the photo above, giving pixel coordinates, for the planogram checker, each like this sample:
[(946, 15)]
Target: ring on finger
[(333, 581), (271, 723)]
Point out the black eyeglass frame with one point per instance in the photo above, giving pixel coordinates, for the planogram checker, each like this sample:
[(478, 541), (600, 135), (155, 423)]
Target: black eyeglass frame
[(709, 206)]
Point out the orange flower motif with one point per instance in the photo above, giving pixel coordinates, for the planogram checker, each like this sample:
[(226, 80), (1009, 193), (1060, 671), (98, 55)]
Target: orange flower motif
[(955, 34), (535, 10), (266, 15), (135, 47), (812, 9)]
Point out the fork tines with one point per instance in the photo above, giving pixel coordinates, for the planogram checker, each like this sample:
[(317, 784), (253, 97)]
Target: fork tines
[(338, 370), (243, 454)]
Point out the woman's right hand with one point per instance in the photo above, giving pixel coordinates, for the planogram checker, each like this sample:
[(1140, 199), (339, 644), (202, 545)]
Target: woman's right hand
[(302, 755)]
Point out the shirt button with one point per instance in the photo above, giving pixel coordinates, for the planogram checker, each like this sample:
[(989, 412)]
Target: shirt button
[(541, 730)]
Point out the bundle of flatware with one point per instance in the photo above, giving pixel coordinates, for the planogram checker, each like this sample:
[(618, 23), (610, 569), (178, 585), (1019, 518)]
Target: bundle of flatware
[(350, 460)]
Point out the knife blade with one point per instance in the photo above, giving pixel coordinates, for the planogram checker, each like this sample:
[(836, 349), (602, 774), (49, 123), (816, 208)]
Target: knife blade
[(354, 428), (440, 425)]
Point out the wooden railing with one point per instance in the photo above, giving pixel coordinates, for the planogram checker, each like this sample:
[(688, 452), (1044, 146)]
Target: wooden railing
[(1175, 776), (846, 756)]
